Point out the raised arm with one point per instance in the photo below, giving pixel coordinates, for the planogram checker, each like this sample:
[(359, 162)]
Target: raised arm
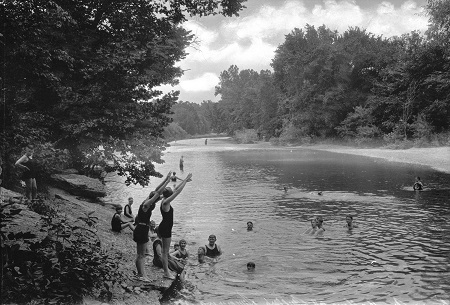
[(164, 183), (150, 201), (20, 161), (177, 190)]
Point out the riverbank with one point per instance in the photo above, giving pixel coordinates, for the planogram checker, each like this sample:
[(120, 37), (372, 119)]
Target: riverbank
[(437, 158), (120, 246)]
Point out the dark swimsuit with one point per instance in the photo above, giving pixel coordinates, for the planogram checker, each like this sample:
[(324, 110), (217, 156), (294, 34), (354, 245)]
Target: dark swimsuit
[(174, 179), (181, 255), (140, 233), (212, 253), (29, 174), (165, 227), (116, 223), (417, 186)]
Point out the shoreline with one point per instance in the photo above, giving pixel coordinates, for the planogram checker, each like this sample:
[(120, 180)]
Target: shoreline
[(437, 158)]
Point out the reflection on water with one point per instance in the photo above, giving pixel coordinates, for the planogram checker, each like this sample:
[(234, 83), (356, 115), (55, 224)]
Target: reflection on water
[(400, 251)]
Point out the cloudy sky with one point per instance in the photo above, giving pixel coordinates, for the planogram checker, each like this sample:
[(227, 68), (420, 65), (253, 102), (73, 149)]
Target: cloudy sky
[(249, 41)]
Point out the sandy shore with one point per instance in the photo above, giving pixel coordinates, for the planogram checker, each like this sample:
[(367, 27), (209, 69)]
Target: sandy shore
[(437, 158)]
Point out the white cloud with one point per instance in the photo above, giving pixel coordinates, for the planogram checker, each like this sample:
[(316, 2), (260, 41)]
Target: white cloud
[(249, 42), (205, 82)]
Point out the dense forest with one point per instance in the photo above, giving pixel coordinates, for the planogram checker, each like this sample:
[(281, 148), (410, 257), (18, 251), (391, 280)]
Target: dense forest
[(325, 85), (79, 78)]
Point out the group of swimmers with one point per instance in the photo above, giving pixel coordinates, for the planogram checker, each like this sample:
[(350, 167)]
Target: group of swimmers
[(145, 230)]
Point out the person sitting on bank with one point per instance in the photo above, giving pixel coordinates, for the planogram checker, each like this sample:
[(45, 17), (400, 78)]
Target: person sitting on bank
[(127, 209), (418, 185), (212, 249), (174, 264), (117, 224)]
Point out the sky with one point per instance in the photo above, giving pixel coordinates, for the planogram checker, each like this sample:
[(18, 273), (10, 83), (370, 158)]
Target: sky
[(250, 40)]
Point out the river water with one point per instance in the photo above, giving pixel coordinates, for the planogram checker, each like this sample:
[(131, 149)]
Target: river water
[(400, 252)]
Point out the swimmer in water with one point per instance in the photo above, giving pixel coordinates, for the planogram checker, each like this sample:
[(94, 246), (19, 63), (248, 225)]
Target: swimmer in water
[(349, 225), (313, 228), (320, 228), (251, 266), (418, 185), (249, 226)]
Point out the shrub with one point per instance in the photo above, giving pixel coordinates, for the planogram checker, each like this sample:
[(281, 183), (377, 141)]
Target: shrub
[(246, 136), (67, 265)]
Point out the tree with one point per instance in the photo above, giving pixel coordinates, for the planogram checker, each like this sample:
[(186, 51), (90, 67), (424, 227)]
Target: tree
[(81, 76)]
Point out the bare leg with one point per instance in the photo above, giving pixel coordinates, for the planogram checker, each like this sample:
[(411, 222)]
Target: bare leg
[(140, 259), (33, 188), (28, 187), (165, 257)]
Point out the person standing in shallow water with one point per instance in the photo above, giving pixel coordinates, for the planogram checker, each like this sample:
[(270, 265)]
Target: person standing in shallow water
[(140, 233), (165, 227), (181, 164), (27, 163)]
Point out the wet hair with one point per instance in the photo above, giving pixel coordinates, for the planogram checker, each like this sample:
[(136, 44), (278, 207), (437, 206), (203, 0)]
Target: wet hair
[(249, 222), (167, 192), (181, 240), (212, 235), (118, 208), (350, 216), (174, 173), (251, 265)]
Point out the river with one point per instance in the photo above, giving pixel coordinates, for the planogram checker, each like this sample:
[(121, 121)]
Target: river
[(399, 253)]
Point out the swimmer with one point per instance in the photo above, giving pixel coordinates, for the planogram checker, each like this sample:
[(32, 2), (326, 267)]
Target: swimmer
[(181, 252), (418, 185), (349, 225), (320, 229), (174, 178), (212, 249), (251, 266), (285, 188), (313, 228), (249, 226)]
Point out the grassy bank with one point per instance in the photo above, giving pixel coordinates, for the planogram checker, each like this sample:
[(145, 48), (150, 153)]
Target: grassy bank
[(79, 260)]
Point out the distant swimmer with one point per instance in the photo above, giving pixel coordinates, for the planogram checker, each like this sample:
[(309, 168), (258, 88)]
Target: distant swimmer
[(418, 185), (349, 225), (249, 226), (206, 141), (181, 163), (251, 266), (313, 228), (320, 228), (285, 188)]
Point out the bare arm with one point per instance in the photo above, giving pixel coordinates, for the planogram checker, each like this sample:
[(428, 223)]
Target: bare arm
[(149, 202), (176, 192), (20, 161)]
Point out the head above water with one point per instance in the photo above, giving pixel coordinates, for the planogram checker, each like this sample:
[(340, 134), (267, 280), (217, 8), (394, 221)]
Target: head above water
[(251, 266), (249, 225), (212, 239)]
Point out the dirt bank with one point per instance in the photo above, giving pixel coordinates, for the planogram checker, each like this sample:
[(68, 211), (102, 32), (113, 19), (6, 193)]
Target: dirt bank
[(437, 158)]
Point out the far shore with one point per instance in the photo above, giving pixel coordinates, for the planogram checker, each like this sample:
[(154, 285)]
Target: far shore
[(437, 158)]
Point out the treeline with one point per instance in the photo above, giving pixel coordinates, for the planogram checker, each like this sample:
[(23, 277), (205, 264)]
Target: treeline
[(353, 85), (79, 77)]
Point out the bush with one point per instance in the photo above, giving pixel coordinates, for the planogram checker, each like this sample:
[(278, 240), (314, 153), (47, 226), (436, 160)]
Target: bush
[(67, 265), (246, 136)]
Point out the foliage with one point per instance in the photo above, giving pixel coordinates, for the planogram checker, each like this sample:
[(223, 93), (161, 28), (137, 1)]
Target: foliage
[(63, 268), (190, 117), (81, 76), (174, 132), (246, 136)]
